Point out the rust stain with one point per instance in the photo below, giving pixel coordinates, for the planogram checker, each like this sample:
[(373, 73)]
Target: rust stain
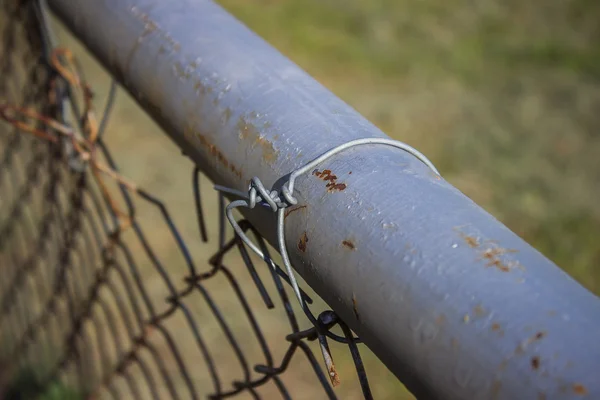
[(333, 376), (247, 130), (269, 152), (479, 311), (349, 244), (337, 187), (291, 210), (302, 242), (331, 179), (579, 389), (497, 328), (470, 240), (498, 264), (521, 347), (355, 307), (180, 71), (213, 151), (541, 396), (492, 254), (149, 27), (244, 130)]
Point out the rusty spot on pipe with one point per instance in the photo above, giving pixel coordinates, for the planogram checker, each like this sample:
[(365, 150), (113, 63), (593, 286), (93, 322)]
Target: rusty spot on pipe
[(302, 242), (497, 328), (579, 389), (291, 210), (213, 151), (493, 254), (522, 346), (338, 187), (479, 311), (331, 179), (471, 241), (247, 131), (349, 244), (243, 128), (535, 363), (326, 175)]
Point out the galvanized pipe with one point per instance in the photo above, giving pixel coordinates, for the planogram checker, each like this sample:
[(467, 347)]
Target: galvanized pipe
[(454, 303)]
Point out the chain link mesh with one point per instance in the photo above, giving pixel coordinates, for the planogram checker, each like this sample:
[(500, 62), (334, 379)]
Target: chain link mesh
[(92, 307)]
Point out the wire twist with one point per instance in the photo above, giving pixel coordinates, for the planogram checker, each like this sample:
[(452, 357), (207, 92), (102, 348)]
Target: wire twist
[(278, 201)]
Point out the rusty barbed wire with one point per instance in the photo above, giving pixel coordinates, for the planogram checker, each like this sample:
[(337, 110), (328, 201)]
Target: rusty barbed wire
[(71, 286)]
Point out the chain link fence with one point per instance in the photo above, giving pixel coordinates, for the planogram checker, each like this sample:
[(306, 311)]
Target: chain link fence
[(120, 276), (102, 294)]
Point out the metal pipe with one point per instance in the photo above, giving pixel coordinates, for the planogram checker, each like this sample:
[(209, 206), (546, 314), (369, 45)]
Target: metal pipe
[(454, 303)]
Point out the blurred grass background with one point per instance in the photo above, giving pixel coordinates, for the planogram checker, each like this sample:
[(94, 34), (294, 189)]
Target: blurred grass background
[(502, 95)]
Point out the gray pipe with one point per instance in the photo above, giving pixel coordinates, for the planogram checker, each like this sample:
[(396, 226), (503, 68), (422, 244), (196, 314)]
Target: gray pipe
[(455, 304)]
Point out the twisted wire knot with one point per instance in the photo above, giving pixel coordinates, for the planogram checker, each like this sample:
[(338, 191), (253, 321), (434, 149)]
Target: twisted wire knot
[(278, 200), (259, 194)]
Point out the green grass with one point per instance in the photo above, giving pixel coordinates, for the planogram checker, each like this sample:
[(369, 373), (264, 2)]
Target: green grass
[(27, 386), (502, 95)]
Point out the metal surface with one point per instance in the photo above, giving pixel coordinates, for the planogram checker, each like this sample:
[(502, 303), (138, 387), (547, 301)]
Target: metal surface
[(455, 304)]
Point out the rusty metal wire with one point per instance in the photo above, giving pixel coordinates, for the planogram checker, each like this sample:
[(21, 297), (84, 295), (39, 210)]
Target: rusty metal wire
[(74, 305)]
